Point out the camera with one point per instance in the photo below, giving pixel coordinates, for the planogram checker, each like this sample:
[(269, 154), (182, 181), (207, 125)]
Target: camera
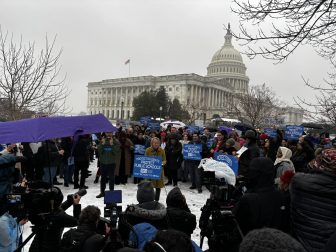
[(81, 193), (111, 209), (217, 221)]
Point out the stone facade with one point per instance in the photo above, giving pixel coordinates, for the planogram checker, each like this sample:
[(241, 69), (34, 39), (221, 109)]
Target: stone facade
[(203, 96)]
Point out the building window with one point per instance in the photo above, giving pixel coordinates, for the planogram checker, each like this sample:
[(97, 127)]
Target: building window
[(170, 89), (177, 89), (112, 116)]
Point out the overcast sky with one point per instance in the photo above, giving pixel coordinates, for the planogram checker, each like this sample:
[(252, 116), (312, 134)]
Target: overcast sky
[(161, 37)]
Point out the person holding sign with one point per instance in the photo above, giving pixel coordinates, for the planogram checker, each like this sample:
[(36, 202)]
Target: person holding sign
[(192, 161), (109, 155), (156, 150)]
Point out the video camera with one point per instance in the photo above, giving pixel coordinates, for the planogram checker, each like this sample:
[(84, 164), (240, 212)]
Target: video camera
[(217, 221), (36, 202)]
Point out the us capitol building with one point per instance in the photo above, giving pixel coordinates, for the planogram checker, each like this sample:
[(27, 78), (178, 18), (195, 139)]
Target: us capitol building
[(202, 96)]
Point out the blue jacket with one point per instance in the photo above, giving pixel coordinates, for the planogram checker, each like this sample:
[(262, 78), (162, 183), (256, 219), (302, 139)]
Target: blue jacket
[(7, 168), (9, 238)]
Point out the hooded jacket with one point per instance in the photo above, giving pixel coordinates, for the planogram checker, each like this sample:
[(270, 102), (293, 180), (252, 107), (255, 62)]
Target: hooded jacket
[(178, 212), (151, 212), (313, 208), (284, 163), (262, 205)]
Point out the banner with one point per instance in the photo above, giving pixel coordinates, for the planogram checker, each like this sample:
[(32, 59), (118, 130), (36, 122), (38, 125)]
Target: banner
[(192, 151), (272, 133), (230, 160), (293, 132), (139, 149), (147, 167)]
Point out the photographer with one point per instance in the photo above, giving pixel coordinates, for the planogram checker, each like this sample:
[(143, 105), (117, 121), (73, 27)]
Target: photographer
[(262, 205), (85, 238), (109, 155), (49, 227), (10, 228), (8, 174)]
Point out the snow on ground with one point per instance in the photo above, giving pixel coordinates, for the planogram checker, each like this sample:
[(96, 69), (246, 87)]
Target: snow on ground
[(194, 199)]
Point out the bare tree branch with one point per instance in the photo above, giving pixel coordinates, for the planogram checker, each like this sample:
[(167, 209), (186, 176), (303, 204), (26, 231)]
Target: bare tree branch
[(298, 22), (29, 81)]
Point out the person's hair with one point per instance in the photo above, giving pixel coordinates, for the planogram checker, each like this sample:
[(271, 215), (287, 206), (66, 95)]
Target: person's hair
[(155, 139), (89, 215), (169, 240)]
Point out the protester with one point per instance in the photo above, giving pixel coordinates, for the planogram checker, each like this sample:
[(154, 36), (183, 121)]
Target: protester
[(108, 151), (313, 203), (195, 173), (178, 213), (184, 172), (82, 161), (219, 144), (283, 162), (174, 158), (157, 151), (68, 161), (302, 156), (262, 205), (230, 147), (249, 154), (269, 240), (50, 157), (126, 147)]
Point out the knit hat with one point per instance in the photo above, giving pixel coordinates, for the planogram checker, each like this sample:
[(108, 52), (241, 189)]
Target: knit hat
[(145, 192), (328, 161), (269, 240)]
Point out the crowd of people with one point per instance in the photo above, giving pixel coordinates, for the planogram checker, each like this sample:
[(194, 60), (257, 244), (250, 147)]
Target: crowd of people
[(288, 203)]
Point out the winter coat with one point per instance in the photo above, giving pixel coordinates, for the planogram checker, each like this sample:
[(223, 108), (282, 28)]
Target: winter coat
[(178, 213), (108, 153), (81, 151), (126, 150), (7, 169), (8, 233), (174, 156), (262, 205), (313, 208), (92, 242), (246, 158), (151, 212), (49, 238), (159, 153), (48, 154)]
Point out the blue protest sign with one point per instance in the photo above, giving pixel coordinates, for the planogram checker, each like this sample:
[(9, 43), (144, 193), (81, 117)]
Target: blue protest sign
[(293, 132), (210, 142), (272, 133), (139, 149), (147, 167), (230, 160), (155, 126), (145, 119), (192, 151)]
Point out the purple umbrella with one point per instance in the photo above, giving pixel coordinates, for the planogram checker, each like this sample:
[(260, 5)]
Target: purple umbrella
[(43, 128)]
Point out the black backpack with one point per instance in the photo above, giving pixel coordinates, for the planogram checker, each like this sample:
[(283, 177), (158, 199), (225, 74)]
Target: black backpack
[(73, 241)]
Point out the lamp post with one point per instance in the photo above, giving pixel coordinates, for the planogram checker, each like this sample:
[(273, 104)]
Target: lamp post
[(122, 108), (160, 112)]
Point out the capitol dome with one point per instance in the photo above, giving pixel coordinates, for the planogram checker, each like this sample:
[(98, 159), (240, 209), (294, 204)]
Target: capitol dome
[(227, 63)]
